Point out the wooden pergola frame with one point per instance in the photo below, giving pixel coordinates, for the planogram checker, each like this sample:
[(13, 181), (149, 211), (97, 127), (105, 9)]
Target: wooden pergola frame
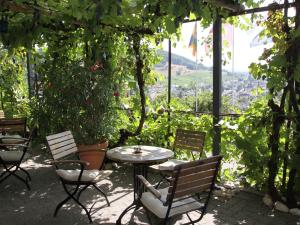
[(233, 9), (217, 64)]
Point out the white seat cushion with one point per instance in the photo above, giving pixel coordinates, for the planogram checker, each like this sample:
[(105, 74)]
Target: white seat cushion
[(12, 156), (11, 139), (87, 175), (168, 165), (156, 206)]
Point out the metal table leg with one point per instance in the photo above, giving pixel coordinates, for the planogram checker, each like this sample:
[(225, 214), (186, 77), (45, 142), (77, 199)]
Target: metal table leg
[(138, 169)]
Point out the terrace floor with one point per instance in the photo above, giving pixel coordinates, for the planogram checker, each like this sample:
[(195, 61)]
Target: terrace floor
[(18, 206)]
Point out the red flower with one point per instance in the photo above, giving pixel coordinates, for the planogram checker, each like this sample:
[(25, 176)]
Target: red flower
[(93, 68), (116, 94), (98, 65)]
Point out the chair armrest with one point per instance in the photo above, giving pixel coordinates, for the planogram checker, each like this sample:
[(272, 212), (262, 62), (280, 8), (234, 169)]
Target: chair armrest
[(13, 145), (14, 138), (81, 162), (149, 187)]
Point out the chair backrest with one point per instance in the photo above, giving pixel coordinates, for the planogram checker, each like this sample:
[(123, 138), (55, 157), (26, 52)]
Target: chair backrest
[(189, 140), (61, 144), (192, 178), (13, 125), (2, 115)]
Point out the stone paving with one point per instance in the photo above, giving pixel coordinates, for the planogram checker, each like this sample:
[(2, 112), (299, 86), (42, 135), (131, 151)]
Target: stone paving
[(18, 206)]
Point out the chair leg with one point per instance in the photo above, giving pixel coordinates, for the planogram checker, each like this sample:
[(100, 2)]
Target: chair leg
[(189, 218), (79, 193), (159, 182), (163, 177), (60, 205), (103, 193), (196, 220), (72, 196), (10, 172), (28, 175), (84, 208), (149, 217)]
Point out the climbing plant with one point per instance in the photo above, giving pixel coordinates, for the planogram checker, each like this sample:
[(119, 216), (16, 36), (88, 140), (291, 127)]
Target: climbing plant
[(13, 82), (279, 66)]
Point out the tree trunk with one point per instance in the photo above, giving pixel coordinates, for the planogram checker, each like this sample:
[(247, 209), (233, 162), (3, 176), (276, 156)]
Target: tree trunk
[(139, 64), (294, 96)]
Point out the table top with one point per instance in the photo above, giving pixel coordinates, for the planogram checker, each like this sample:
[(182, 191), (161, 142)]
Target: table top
[(148, 154)]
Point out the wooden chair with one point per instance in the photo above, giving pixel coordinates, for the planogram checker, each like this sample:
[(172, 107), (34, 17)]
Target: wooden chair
[(13, 152), (13, 126), (187, 141), (2, 114), (63, 145), (190, 189)]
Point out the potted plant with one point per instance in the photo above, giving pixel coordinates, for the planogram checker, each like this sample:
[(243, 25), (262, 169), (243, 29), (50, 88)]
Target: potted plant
[(78, 95), (95, 121)]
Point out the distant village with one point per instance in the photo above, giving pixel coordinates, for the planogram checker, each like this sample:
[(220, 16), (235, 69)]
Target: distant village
[(240, 88)]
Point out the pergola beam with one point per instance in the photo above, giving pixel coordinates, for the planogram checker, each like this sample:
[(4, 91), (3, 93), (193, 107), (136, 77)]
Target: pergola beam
[(273, 6), (229, 6)]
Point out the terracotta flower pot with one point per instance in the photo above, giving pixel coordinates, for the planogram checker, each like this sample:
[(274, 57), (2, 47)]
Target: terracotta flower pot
[(94, 154)]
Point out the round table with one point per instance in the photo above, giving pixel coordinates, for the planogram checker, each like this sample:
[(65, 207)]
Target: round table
[(148, 155)]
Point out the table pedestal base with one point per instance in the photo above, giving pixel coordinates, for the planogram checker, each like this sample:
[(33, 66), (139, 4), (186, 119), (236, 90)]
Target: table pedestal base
[(138, 169)]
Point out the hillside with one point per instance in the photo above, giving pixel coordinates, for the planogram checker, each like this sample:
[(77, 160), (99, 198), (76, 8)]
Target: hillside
[(179, 60)]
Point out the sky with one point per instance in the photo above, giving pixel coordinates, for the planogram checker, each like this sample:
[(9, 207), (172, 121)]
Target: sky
[(243, 45)]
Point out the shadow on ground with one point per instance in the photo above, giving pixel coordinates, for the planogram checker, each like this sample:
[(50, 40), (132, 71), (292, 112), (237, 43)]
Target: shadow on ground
[(36, 207)]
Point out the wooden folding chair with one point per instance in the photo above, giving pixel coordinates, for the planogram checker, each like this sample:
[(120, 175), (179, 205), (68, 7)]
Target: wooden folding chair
[(2, 114), (13, 126), (61, 146), (13, 152), (190, 189), (188, 142)]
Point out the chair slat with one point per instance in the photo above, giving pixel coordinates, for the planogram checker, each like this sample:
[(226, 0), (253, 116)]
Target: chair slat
[(191, 148), (198, 162), (13, 124), (64, 153), (193, 177), (63, 148), (192, 190), (2, 114), (189, 140), (197, 169), (54, 136), (61, 144), (194, 183), (60, 139), (189, 132), (188, 178)]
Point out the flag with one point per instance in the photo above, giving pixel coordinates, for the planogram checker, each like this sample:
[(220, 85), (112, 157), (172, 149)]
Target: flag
[(259, 41), (228, 34), (193, 40), (208, 42)]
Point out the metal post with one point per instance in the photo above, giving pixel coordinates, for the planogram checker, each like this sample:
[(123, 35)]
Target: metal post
[(169, 73), (217, 82), (169, 86), (29, 72)]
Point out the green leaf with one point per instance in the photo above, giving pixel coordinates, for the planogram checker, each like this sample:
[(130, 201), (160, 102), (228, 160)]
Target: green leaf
[(170, 26)]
